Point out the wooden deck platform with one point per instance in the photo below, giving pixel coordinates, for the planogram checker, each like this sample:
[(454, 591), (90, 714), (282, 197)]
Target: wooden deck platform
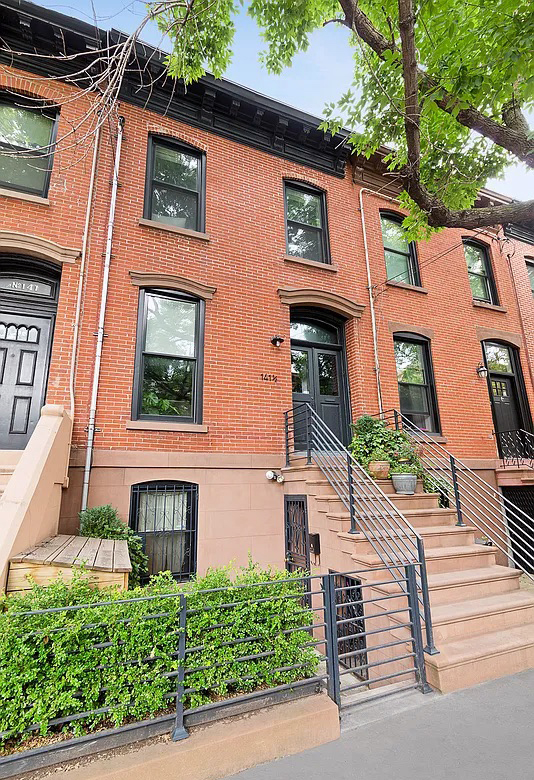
[(106, 560)]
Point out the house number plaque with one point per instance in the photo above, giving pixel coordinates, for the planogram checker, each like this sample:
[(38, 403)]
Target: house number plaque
[(25, 286), (269, 377)]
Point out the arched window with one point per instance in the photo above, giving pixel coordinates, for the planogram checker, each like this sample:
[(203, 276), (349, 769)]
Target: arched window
[(168, 377), (400, 255), (417, 392), (164, 514), (480, 272), (306, 222), (26, 144)]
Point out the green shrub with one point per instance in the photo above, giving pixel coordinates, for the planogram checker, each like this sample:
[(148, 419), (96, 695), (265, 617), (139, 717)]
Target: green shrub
[(56, 664), (375, 440), (103, 522)]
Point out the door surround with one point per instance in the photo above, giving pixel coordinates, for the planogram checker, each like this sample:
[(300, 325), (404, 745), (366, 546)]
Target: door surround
[(29, 288), (515, 376), (333, 322)]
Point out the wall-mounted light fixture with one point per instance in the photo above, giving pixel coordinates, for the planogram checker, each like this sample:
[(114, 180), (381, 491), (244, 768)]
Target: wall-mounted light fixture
[(274, 477), (277, 341), (482, 371)]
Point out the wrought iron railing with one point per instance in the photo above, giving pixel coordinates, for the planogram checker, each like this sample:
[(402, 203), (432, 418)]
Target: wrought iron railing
[(499, 521), (371, 512), (516, 448)]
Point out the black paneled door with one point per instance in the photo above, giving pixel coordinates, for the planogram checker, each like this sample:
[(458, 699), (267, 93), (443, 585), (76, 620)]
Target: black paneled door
[(317, 371), (24, 356)]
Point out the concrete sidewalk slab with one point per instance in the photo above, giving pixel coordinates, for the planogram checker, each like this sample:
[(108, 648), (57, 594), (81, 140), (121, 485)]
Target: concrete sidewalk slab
[(482, 733)]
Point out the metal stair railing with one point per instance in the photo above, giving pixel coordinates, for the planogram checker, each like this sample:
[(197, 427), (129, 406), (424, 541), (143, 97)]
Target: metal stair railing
[(477, 503), (516, 448), (372, 513)]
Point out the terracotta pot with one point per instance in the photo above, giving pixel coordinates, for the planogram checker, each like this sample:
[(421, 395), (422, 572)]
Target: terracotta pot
[(379, 469)]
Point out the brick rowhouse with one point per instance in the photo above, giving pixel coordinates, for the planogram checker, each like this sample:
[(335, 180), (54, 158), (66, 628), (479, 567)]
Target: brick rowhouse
[(251, 288)]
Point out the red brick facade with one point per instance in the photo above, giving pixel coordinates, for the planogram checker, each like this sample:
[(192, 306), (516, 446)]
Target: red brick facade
[(242, 255)]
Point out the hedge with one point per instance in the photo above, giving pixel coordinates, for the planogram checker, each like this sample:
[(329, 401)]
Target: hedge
[(60, 663)]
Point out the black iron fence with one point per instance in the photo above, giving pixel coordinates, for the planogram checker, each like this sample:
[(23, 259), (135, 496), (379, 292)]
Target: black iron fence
[(128, 668), (516, 448)]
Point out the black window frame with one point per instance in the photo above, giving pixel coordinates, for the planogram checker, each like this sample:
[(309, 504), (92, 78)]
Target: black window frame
[(140, 352), (171, 143), (529, 262), (489, 275), (323, 230), (430, 385), (413, 261), (51, 112), (190, 489)]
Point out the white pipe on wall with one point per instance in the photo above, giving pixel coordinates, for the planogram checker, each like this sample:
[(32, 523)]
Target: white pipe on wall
[(85, 241), (102, 317)]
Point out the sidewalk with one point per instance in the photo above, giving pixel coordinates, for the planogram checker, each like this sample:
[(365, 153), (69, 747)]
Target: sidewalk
[(483, 733)]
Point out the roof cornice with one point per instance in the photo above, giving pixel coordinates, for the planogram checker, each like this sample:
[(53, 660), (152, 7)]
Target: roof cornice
[(216, 105)]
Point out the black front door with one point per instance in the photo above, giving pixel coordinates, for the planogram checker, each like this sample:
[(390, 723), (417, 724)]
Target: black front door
[(317, 371), (24, 355), (505, 408)]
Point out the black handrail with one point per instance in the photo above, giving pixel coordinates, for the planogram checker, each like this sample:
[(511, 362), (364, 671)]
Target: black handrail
[(371, 512), (516, 448), (501, 523)]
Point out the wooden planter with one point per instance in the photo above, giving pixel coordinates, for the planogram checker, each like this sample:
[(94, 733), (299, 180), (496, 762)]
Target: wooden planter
[(106, 562)]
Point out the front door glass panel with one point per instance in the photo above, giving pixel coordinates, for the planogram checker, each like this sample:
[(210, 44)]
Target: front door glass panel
[(300, 371)]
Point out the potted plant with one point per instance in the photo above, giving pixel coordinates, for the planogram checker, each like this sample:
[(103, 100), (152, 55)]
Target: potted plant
[(379, 464), (404, 478)]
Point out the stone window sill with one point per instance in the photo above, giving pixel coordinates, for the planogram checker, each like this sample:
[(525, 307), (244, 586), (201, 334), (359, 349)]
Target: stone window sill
[(24, 196), (311, 263), (165, 425), (491, 306), (406, 286), (152, 223)]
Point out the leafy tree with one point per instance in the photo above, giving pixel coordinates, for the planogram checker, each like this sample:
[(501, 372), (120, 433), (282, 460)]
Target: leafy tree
[(444, 84)]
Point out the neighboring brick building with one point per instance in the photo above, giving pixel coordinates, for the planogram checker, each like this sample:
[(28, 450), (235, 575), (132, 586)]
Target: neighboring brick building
[(245, 225)]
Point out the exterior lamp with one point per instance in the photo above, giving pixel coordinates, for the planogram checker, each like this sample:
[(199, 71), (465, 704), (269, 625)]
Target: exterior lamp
[(482, 371), (272, 476), (277, 341)]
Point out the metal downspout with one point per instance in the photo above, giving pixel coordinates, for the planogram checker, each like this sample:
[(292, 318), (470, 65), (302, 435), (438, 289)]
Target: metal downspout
[(102, 317), (85, 241)]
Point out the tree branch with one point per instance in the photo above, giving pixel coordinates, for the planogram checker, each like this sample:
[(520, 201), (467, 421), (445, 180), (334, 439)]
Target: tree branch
[(512, 139)]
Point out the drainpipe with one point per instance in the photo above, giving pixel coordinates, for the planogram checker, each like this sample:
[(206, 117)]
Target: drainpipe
[(85, 241), (102, 317)]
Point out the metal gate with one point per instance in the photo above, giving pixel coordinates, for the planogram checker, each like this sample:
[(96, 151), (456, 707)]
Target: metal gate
[(351, 624), (522, 530), (296, 533)]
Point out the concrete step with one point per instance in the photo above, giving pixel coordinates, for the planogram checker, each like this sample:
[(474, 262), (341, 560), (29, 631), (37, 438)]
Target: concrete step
[(5, 474), (472, 660), (424, 518), (10, 458), (440, 559), (435, 537), (417, 501), (452, 586), (459, 620)]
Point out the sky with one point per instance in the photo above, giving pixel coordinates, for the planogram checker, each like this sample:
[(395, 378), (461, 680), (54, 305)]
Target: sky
[(320, 75)]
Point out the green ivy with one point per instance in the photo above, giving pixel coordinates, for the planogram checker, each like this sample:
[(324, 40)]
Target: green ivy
[(60, 663), (103, 522)]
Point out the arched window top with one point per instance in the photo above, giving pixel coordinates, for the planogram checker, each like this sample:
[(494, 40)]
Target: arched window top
[(499, 356), (172, 282), (303, 329)]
